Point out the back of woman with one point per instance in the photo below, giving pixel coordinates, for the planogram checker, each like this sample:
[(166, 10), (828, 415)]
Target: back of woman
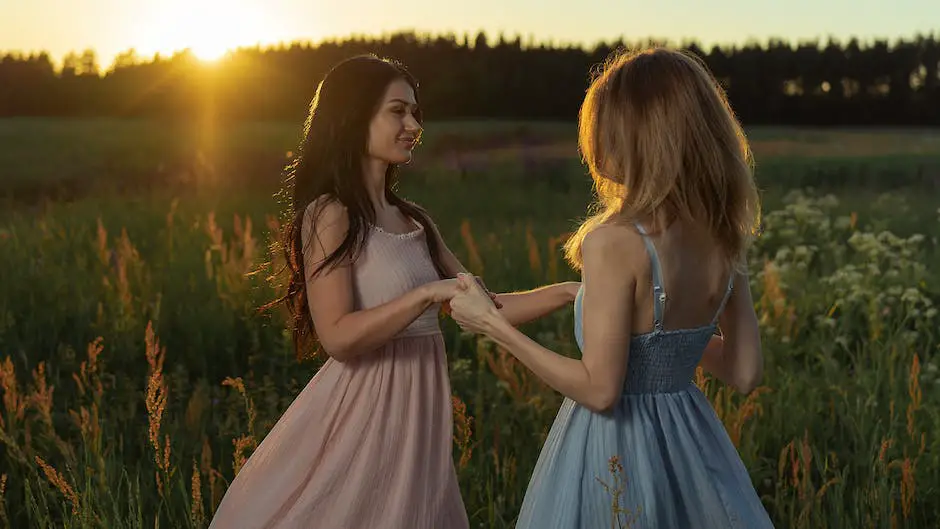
[(694, 275), (663, 269)]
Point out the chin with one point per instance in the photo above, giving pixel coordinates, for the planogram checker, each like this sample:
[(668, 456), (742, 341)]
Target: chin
[(402, 159)]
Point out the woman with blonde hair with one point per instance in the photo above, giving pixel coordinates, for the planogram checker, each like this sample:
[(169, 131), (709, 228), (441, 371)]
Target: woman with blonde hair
[(663, 265)]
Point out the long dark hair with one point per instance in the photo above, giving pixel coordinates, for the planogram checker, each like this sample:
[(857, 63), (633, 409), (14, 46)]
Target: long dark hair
[(328, 165)]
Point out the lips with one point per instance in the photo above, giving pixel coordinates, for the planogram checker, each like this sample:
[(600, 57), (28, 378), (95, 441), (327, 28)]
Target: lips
[(410, 141)]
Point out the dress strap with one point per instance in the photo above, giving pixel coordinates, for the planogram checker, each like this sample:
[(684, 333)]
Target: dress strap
[(724, 300), (659, 293)]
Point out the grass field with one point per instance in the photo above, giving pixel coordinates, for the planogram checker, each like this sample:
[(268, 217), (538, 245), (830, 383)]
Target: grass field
[(136, 376), (40, 157)]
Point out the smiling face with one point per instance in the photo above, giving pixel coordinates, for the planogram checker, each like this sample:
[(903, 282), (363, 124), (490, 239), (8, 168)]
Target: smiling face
[(396, 127)]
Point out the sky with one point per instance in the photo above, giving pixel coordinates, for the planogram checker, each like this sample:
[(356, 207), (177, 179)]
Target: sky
[(210, 27)]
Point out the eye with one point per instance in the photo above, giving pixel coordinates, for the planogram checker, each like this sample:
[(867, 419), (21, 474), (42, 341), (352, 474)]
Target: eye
[(398, 110)]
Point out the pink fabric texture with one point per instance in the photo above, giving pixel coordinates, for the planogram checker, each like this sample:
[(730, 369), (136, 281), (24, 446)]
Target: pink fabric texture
[(367, 444)]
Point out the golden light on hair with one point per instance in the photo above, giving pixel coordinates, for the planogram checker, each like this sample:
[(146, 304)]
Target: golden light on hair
[(661, 142)]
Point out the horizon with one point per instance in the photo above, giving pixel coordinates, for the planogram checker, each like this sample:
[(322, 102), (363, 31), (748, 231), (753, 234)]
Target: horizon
[(211, 28), (526, 42)]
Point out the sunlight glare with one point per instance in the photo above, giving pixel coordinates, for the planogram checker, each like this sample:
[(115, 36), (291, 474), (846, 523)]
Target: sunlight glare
[(208, 28)]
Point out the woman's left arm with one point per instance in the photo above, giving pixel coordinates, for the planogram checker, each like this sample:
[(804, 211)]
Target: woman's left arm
[(596, 379)]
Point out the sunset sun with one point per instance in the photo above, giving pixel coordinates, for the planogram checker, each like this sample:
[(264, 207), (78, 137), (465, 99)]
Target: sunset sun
[(211, 48), (208, 28)]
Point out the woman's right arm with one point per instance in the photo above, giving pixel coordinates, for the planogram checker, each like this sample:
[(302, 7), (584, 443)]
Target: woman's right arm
[(736, 358), (343, 332), (523, 307)]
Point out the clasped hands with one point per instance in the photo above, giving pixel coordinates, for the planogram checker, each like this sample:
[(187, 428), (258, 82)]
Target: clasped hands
[(472, 303)]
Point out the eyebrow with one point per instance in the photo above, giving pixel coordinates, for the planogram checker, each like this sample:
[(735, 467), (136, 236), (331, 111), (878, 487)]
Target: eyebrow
[(402, 101)]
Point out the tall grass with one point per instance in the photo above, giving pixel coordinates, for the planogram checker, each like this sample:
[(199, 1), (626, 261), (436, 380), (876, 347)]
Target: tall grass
[(137, 377)]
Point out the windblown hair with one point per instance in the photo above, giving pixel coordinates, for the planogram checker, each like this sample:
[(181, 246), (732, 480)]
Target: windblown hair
[(329, 167), (661, 141)]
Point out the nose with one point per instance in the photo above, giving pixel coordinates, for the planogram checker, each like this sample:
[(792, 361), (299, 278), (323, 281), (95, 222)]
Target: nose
[(412, 125)]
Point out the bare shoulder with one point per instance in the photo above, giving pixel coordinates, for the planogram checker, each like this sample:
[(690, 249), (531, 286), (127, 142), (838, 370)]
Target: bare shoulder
[(326, 211), (324, 227), (611, 245)]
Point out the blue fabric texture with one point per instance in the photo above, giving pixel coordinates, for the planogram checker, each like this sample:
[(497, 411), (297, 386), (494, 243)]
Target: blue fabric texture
[(679, 467)]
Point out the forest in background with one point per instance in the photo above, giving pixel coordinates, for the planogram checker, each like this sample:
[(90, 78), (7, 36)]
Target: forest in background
[(819, 83)]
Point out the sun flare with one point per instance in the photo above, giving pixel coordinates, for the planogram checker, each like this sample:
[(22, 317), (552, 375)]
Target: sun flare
[(208, 28), (211, 50)]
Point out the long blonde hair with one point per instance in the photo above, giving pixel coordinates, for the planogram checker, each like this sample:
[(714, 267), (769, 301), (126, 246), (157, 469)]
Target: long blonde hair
[(659, 138)]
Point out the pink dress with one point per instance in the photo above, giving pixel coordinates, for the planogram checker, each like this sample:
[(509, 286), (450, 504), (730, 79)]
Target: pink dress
[(368, 443)]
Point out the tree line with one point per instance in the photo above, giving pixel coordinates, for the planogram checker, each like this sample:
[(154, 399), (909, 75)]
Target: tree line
[(807, 83)]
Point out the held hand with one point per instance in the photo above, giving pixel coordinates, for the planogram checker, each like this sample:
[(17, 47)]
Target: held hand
[(445, 306), (472, 307), (442, 291), (492, 296)]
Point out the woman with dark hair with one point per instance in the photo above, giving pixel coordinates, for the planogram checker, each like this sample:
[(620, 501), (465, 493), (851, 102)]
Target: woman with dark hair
[(368, 442)]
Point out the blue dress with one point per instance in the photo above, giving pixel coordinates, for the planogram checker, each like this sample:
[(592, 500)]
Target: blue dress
[(680, 469)]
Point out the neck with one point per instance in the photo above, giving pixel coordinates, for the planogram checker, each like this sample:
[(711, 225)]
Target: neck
[(374, 174)]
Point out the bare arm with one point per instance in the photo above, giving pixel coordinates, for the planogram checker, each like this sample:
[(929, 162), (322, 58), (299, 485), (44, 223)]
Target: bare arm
[(596, 379), (517, 307), (736, 358), (344, 332), (523, 307)]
